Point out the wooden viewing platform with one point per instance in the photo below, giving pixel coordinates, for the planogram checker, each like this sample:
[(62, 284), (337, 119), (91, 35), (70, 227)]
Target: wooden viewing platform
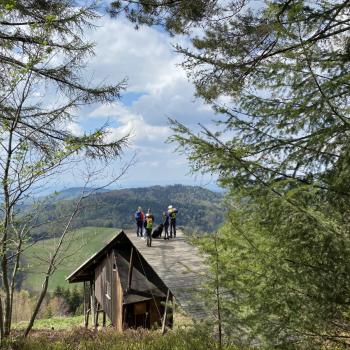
[(181, 267)]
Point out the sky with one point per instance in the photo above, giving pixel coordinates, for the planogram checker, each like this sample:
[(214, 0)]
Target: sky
[(157, 88)]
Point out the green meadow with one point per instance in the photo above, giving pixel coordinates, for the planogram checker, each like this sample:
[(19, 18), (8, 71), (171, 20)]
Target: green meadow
[(78, 246)]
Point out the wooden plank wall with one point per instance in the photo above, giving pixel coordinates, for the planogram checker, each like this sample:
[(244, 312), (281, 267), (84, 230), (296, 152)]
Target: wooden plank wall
[(117, 296), (107, 283), (99, 282)]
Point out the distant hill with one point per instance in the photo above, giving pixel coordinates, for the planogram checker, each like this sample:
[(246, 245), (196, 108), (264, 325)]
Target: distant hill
[(71, 193), (199, 209)]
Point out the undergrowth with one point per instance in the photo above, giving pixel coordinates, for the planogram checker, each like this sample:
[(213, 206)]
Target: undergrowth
[(54, 323), (83, 339)]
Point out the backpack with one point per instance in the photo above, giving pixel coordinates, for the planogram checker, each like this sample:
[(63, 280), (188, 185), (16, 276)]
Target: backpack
[(173, 214), (149, 223), (138, 216)]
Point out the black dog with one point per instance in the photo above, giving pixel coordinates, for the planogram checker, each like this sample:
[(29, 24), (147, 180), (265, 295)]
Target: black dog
[(157, 231)]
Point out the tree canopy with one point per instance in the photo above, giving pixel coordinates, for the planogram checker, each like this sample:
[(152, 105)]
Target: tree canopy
[(277, 74), (43, 84)]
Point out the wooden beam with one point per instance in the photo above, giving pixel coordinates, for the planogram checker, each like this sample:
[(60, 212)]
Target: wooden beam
[(165, 312), (104, 319), (131, 265), (96, 318), (86, 321), (93, 303), (87, 318), (124, 317)]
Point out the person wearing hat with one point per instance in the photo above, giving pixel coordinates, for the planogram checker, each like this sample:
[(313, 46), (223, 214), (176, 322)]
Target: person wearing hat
[(172, 215), (149, 226), (139, 218)]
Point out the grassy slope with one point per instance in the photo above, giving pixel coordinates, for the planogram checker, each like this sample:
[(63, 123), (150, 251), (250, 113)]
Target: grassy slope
[(56, 323), (68, 322), (79, 246)]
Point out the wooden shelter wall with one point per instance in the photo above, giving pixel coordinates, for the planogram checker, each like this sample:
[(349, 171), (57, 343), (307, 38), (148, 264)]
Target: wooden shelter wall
[(99, 282), (108, 290), (107, 305), (117, 298)]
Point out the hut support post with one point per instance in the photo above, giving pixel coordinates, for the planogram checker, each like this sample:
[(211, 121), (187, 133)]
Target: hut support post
[(93, 303), (104, 319), (165, 312), (86, 315), (97, 314), (131, 265), (87, 318)]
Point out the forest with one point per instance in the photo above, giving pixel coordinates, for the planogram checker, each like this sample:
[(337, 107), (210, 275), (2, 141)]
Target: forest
[(200, 210)]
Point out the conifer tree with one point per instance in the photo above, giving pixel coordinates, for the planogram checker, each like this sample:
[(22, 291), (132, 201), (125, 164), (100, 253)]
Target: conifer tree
[(42, 57), (277, 74)]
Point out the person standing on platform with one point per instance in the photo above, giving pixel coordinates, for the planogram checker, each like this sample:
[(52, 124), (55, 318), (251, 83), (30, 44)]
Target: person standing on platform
[(172, 212), (149, 226), (139, 218), (166, 224)]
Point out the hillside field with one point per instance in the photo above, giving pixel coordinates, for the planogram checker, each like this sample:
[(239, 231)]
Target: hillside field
[(79, 246)]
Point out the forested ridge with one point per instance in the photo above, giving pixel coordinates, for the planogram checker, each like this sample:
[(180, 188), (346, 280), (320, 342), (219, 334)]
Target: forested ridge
[(199, 209)]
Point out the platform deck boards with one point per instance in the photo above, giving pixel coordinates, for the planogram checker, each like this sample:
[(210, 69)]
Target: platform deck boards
[(181, 267)]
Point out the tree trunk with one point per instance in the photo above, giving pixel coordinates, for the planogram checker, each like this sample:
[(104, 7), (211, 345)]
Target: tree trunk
[(217, 292), (51, 267), (37, 306), (1, 322)]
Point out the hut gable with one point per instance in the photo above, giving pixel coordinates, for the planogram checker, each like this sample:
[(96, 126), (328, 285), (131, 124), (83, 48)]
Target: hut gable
[(122, 285), (130, 282)]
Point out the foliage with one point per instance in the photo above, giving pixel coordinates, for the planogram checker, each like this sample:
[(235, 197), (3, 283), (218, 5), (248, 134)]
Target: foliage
[(62, 302), (74, 298), (283, 274), (176, 16), (42, 57)]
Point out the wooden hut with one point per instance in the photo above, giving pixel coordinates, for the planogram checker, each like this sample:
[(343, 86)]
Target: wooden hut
[(133, 285)]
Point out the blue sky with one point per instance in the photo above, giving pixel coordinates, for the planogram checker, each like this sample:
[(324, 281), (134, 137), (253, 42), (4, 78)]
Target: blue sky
[(158, 88)]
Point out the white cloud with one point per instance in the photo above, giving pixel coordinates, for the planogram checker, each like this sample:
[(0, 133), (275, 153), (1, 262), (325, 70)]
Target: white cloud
[(148, 59), (160, 89), (75, 128), (142, 134), (145, 56)]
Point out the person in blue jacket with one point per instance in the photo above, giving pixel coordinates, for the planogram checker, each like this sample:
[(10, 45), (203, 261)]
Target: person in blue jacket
[(139, 218)]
